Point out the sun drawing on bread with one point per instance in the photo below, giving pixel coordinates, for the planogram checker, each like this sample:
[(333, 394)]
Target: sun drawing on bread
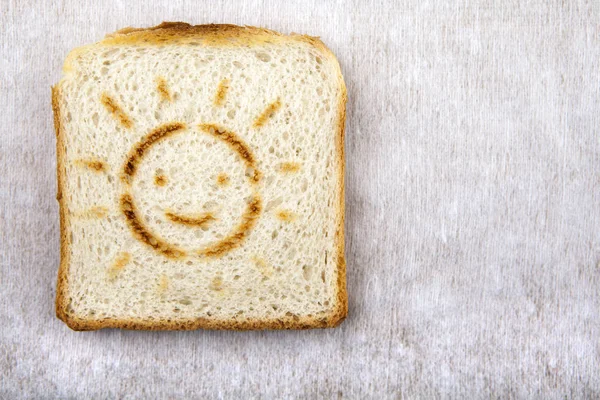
[(134, 212)]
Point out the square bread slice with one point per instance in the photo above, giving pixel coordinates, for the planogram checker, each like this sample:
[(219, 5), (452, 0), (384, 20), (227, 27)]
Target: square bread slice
[(201, 181)]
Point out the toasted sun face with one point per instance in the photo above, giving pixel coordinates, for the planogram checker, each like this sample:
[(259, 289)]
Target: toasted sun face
[(185, 219), (198, 219)]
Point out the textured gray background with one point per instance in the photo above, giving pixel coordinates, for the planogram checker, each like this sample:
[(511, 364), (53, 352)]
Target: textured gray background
[(473, 209)]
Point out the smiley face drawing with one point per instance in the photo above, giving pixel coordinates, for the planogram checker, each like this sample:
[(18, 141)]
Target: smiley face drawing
[(146, 219)]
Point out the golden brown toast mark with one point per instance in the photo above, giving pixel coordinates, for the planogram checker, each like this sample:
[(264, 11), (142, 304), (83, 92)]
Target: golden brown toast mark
[(115, 110), (93, 164), (222, 179), (286, 215), (212, 34), (142, 233), (221, 92), (289, 167), (216, 284), (240, 232), (201, 220), (120, 262), (163, 284), (95, 212), (160, 180), (262, 266), (136, 154), (163, 89), (267, 113), (237, 144)]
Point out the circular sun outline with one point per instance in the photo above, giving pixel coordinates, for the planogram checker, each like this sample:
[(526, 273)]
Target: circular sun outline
[(146, 235)]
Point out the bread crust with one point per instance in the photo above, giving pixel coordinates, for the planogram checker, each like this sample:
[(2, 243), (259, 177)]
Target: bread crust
[(218, 35)]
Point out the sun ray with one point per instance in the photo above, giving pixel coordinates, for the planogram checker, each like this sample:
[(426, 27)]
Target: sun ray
[(93, 164), (120, 262), (216, 284), (95, 212), (116, 111), (163, 89), (262, 266), (221, 92), (163, 284), (267, 113), (289, 167)]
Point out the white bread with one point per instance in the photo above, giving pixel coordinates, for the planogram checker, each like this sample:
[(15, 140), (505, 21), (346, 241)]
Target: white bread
[(200, 174)]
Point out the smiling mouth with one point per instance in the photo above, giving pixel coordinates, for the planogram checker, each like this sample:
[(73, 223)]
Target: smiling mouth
[(201, 220)]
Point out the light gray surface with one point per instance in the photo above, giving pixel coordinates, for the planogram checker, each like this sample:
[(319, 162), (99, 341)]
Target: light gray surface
[(473, 210)]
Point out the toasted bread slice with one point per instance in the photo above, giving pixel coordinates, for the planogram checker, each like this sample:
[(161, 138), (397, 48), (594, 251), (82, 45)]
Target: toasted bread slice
[(201, 181)]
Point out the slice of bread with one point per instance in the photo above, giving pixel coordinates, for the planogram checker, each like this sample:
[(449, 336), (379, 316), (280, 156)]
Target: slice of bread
[(201, 181)]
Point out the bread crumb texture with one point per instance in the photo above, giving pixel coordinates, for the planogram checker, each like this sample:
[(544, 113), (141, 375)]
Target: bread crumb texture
[(200, 181)]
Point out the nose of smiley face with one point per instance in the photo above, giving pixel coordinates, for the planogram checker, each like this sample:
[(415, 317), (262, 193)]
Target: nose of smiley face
[(193, 188)]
